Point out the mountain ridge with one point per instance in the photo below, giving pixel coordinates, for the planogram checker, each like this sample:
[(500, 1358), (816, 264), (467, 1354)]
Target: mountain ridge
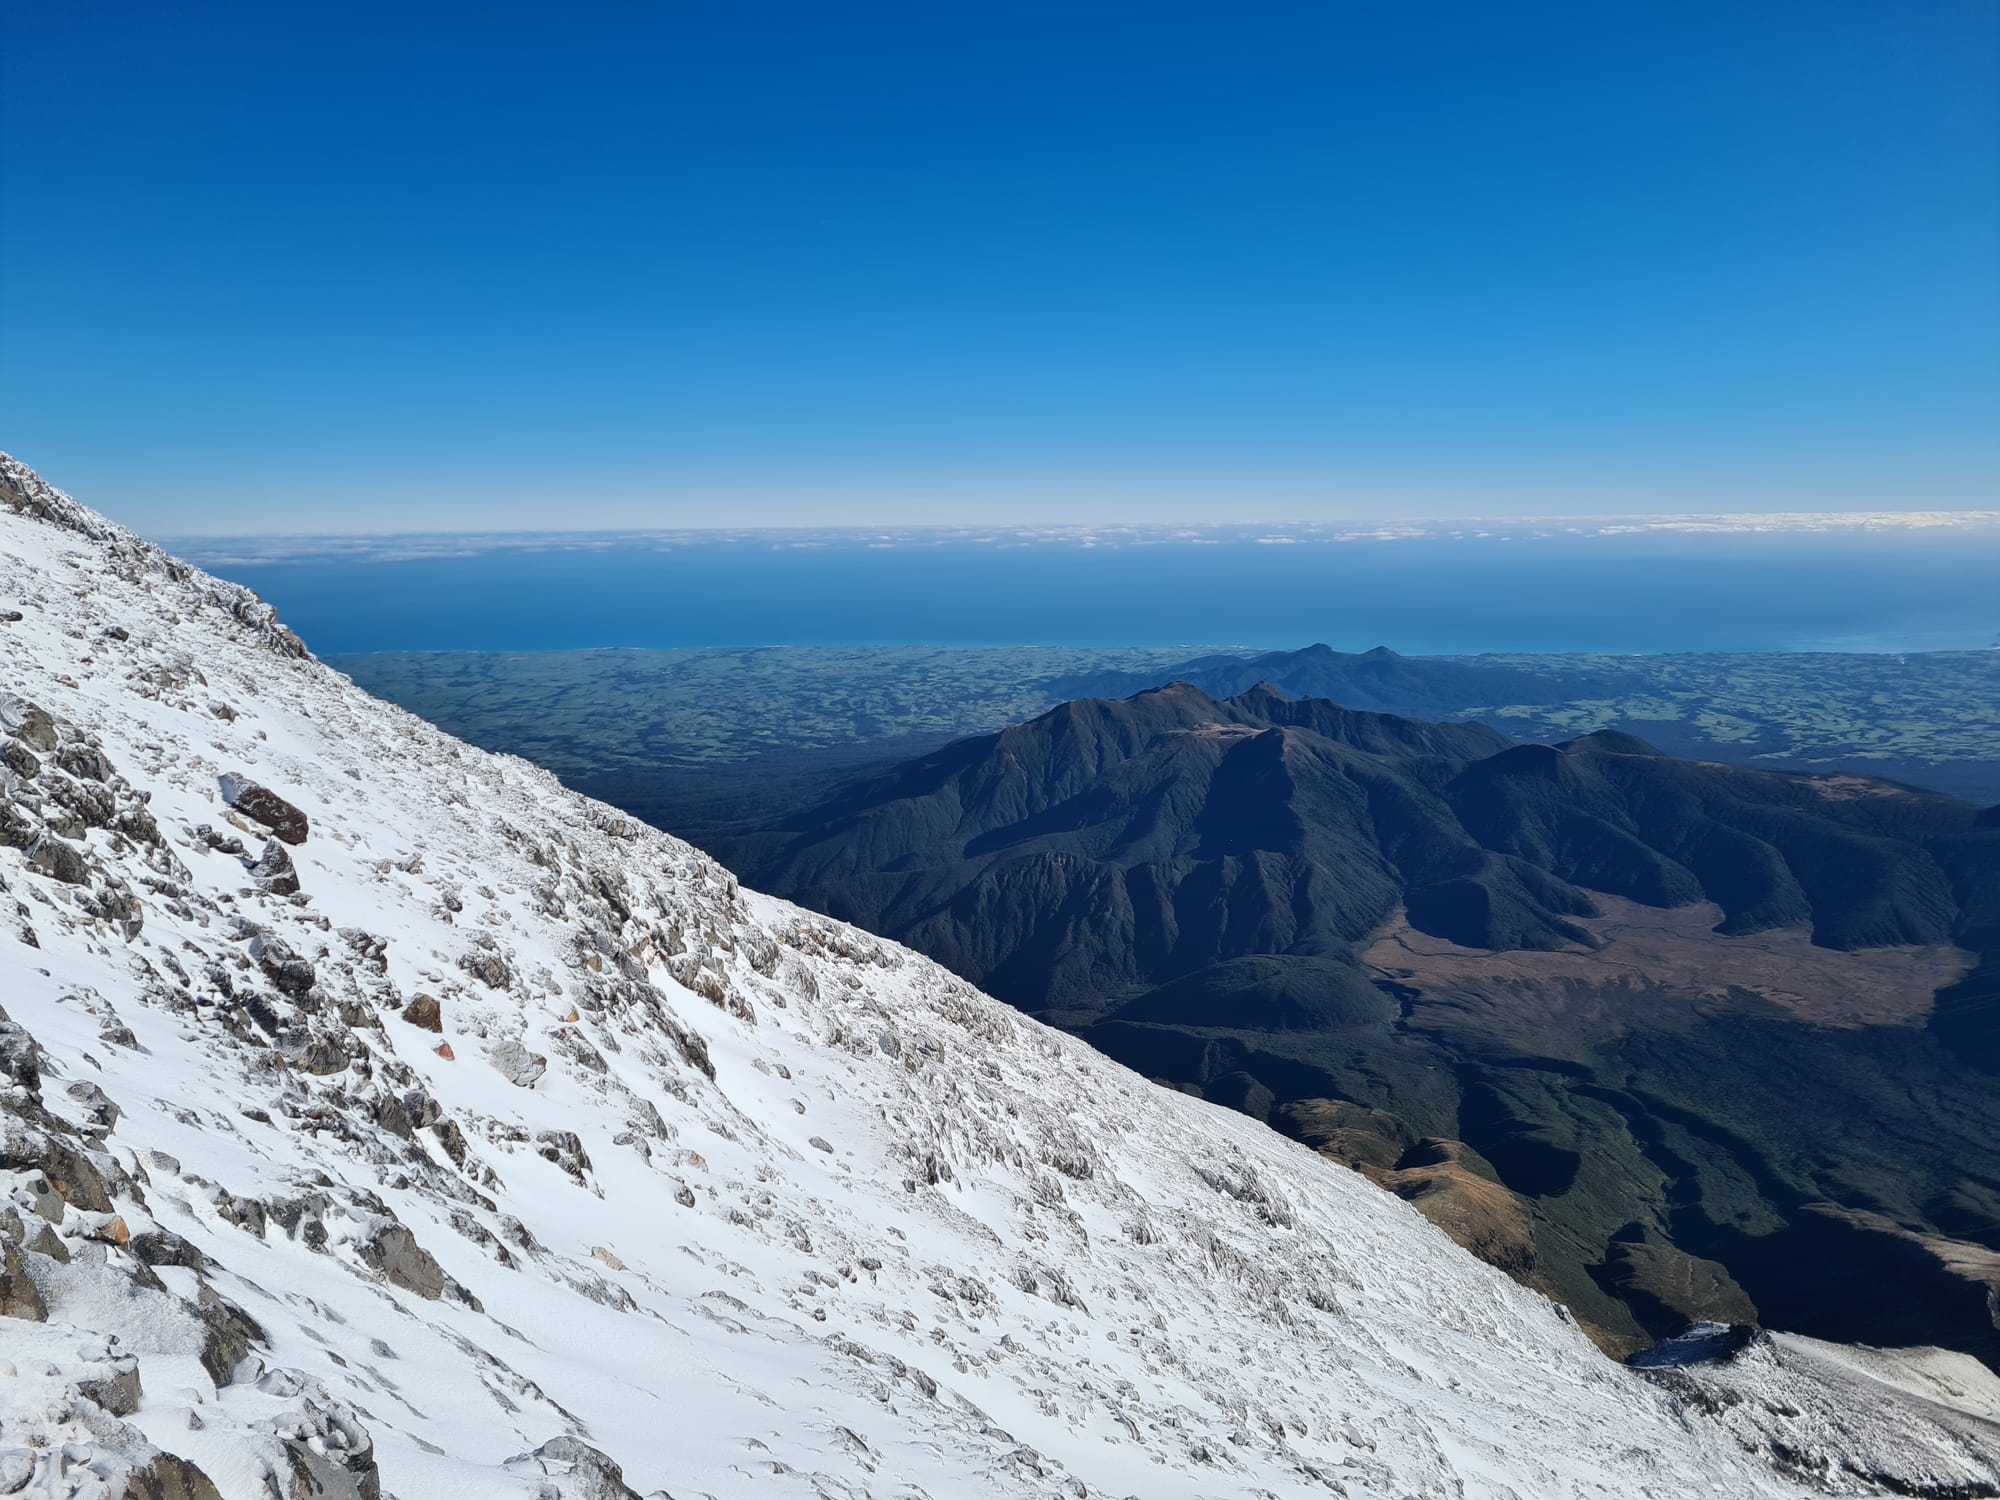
[(416, 1127)]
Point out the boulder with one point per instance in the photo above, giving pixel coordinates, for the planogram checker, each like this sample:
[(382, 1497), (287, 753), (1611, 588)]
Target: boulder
[(490, 969), (394, 1251), (20, 1060), (291, 974), (331, 1454), (262, 805), (229, 1334), (565, 1149), (162, 1247), (424, 1012), (70, 1175), (28, 723), (85, 762), (19, 1297), (581, 1471), (516, 1063), (274, 870), (117, 1390), (167, 1477), (101, 1114), (59, 861)]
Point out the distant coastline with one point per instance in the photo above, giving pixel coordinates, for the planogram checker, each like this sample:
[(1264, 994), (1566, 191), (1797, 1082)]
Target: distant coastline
[(1854, 588)]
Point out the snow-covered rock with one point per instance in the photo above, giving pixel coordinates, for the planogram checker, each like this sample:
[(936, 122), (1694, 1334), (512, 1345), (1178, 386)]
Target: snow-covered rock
[(480, 1141)]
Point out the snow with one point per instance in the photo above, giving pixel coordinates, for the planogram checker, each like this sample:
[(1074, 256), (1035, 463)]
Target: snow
[(903, 1242)]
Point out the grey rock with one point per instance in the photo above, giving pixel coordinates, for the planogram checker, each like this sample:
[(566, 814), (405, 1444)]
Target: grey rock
[(291, 974), (391, 1116), (332, 1457), (59, 860), (229, 1334), (20, 1060), (162, 1247), (516, 1063), (100, 1113), (71, 1177), (490, 969), (118, 1391), (274, 870), (19, 1297), (28, 723), (43, 1240), (84, 762), (565, 1149), (581, 1472)]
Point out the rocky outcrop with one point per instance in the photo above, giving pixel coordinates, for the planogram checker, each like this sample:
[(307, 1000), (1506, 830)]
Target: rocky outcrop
[(1915, 1422)]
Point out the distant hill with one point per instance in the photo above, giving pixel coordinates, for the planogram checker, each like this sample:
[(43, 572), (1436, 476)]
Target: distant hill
[(685, 739), (1930, 718), (1684, 1017), (1381, 680)]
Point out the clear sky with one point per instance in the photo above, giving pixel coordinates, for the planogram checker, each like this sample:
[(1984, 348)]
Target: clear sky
[(299, 267)]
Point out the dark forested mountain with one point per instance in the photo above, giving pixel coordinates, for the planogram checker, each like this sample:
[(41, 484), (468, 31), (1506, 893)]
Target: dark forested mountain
[(1668, 1038)]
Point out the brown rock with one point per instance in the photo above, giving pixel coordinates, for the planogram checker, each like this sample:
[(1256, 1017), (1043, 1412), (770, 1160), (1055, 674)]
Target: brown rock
[(260, 803), (424, 1011), (394, 1251), (166, 1477), (444, 1051)]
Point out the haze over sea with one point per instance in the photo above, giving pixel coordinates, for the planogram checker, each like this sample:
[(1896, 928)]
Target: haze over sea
[(1727, 584)]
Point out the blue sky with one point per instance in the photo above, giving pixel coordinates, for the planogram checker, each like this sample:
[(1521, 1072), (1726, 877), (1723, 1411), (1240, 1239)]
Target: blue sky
[(303, 268)]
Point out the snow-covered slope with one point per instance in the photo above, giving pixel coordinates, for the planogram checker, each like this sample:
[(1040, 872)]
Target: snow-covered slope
[(473, 1140)]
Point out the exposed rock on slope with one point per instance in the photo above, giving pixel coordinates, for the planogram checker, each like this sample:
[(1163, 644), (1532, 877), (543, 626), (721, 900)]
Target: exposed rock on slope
[(690, 1191)]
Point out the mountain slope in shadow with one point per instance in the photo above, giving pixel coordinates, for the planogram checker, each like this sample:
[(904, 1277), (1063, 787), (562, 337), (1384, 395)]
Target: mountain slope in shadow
[(1701, 1025)]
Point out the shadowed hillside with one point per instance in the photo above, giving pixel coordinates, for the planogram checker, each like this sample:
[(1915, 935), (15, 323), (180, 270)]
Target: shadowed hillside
[(1672, 1030)]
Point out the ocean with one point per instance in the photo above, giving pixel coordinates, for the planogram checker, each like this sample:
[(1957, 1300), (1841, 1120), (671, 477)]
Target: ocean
[(1896, 588)]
